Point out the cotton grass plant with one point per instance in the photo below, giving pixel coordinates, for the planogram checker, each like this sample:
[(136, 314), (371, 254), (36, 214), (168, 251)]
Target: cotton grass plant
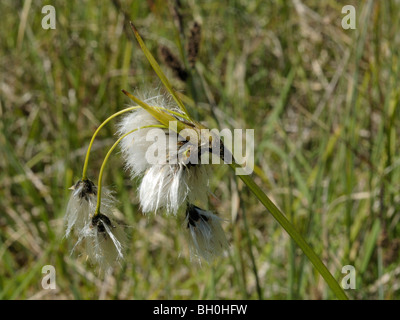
[(173, 187)]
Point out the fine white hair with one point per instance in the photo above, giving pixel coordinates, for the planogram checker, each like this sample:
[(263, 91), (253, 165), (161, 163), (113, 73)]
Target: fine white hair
[(82, 203), (164, 185), (103, 237), (206, 237)]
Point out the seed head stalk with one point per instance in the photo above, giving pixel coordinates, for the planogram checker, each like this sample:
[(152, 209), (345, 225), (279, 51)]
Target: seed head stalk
[(85, 165), (97, 211)]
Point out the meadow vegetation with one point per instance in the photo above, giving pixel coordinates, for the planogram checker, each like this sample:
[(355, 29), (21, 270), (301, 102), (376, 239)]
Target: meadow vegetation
[(324, 104)]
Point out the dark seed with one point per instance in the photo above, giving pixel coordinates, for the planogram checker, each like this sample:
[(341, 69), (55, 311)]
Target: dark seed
[(88, 189), (99, 221), (193, 215)]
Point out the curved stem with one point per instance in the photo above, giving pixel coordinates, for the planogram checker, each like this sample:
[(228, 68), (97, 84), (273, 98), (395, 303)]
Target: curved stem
[(97, 211), (85, 165)]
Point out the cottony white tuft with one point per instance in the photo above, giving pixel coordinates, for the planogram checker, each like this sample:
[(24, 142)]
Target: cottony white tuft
[(82, 204), (172, 181), (169, 186), (104, 240), (134, 146), (205, 234), (102, 236)]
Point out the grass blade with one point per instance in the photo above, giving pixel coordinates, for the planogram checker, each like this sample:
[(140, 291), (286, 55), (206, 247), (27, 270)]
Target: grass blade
[(294, 234), (157, 69)]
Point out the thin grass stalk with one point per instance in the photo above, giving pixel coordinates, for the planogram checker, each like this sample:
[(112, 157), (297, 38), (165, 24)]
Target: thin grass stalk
[(294, 234)]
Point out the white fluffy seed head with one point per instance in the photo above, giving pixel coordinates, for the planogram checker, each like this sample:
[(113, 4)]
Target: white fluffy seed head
[(166, 184), (170, 186), (104, 240), (82, 203), (135, 145), (206, 237)]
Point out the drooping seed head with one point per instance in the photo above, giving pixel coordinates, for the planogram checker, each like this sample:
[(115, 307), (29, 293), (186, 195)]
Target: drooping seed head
[(205, 234)]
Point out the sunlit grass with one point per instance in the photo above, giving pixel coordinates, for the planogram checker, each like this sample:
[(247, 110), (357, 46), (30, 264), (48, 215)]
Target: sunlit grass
[(324, 105)]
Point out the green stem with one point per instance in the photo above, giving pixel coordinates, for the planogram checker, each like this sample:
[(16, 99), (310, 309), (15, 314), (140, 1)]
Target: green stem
[(97, 211), (294, 234), (85, 166), (158, 70)]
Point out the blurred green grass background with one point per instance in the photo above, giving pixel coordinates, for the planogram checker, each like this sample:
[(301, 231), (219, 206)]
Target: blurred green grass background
[(323, 102)]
